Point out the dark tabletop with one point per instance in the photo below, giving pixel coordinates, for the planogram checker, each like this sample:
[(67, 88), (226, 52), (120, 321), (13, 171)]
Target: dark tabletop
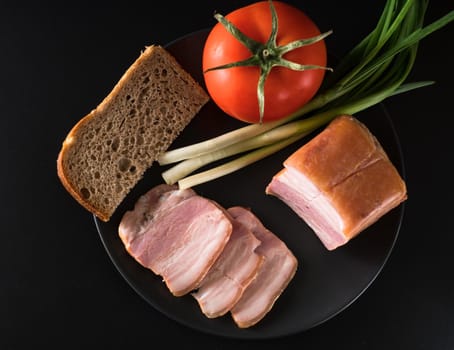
[(58, 285)]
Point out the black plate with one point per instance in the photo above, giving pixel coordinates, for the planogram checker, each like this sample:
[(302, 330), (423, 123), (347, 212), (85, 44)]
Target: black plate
[(326, 282)]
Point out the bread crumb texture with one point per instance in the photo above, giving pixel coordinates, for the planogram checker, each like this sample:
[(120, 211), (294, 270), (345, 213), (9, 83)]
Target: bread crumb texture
[(109, 150)]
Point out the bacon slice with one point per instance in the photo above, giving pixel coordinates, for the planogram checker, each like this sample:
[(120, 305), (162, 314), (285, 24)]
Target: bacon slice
[(234, 270), (273, 276), (157, 200), (176, 234), (340, 182)]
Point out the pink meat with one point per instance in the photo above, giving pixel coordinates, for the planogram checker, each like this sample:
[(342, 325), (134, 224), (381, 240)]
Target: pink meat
[(234, 270), (148, 206), (273, 276), (310, 205), (177, 234)]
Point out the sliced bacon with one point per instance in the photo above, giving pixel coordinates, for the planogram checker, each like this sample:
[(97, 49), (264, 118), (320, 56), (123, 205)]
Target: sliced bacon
[(273, 276), (226, 259), (176, 234), (234, 270)]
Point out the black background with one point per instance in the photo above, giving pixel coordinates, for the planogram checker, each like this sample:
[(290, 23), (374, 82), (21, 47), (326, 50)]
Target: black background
[(58, 285)]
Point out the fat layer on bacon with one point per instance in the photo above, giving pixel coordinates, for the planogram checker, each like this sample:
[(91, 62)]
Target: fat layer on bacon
[(273, 276)]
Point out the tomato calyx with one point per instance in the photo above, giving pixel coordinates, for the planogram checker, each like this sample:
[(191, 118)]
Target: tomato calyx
[(267, 55)]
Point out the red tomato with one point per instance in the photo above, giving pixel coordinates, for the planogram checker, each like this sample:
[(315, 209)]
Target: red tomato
[(234, 90)]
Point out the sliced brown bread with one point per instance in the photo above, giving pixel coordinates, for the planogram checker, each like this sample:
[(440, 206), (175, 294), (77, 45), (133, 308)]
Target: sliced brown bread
[(108, 151)]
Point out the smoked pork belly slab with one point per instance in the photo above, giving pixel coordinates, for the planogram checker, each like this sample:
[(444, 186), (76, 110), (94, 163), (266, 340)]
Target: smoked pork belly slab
[(230, 275), (177, 234), (340, 182), (273, 276)]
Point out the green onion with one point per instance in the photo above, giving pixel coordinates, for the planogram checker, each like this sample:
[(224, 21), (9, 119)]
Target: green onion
[(372, 71), (187, 166)]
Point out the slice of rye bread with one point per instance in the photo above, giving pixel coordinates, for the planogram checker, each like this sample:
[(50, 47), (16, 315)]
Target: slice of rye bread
[(108, 151)]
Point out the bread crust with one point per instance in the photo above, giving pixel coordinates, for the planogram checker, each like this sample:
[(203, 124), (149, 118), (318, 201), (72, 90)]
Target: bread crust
[(65, 180)]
